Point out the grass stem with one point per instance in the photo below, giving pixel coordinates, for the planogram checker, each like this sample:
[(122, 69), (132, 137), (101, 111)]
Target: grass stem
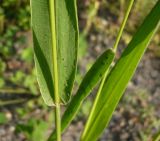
[(55, 68), (94, 106), (123, 25), (107, 71)]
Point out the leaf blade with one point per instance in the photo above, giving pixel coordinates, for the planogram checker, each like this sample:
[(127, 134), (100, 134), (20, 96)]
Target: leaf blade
[(67, 43), (120, 75)]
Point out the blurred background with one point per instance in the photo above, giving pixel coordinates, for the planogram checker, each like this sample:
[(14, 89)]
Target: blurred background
[(23, 114)]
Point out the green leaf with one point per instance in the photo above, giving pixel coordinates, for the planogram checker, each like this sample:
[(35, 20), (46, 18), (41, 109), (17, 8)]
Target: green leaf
[(3, 118), (156, 137), (90, 80), (33, 128), (66, 45), (120, 75)]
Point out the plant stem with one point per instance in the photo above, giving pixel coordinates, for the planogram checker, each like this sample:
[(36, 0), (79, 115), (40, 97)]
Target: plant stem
[(55, 68), (107, 71), (16, 91), (94, 105), (123, 25), (11, 102), (58, 122)]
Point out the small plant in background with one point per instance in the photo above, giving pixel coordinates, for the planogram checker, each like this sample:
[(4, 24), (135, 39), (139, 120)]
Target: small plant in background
[(55, 37), (21, 13), (1, 20)]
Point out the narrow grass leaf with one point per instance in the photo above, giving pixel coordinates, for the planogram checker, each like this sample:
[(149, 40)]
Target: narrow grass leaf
[(66, 44), (120, 75), (92, 77), (156, 137)]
